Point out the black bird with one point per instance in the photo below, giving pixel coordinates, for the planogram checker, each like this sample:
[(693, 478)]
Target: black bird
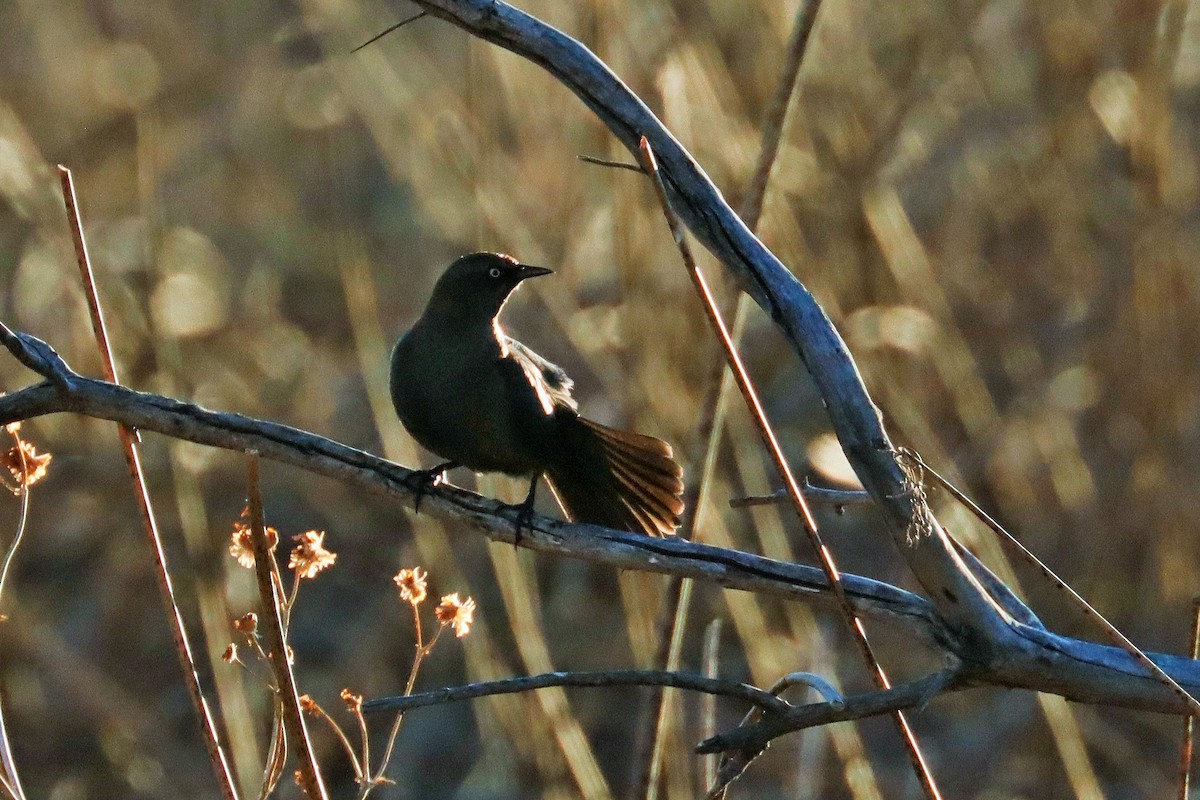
[(479, 399)]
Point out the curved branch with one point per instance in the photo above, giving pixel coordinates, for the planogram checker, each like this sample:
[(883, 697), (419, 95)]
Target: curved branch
[(768, 702), (959, 597)]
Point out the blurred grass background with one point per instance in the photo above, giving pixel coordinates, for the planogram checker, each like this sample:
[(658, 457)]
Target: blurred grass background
[(995, 201)]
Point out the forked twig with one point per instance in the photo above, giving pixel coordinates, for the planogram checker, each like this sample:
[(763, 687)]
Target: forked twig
[(733, 764), (809, 523), (838, 498), (129, 443), (750, 739)]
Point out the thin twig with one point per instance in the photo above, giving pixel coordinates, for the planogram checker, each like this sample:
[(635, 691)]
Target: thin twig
[(777, 112), (276, 749), (1189, 722), (734, 764), (710, 656), (10, 781), (819, 494), (388, 30), (600, 678), (271, 595), (808, 521), (422, 650), (9, 790), (331, 723), (605, 162), (1087, 608), (11, 553), (11, 778), (129, 443)]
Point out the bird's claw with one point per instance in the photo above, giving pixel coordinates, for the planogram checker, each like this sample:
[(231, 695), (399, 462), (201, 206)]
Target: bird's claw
[(525, 511), (524, 520), (424, 481)]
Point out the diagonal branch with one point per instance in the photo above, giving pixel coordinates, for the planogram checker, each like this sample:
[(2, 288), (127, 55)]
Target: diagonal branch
[(960, 598)]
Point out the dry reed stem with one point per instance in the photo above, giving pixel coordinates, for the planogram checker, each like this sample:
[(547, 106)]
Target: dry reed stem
[(270, 590), (712, 414), (1189, 722), (824, 555), (129, 443)]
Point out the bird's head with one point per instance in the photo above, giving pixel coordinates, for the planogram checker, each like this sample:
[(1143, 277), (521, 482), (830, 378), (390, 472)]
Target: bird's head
[(477, 285)]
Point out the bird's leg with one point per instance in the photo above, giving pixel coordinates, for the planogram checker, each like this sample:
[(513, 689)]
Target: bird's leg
[(424, 481), (525, 510)]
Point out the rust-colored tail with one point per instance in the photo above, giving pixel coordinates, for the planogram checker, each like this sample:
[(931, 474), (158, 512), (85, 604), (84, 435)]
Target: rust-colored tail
[(617, 479)]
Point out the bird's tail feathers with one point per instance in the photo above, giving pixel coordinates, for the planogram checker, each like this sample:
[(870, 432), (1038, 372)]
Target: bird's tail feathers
[(618, 479)]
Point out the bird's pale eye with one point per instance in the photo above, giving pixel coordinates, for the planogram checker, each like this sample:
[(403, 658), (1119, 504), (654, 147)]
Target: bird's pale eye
[(494, 272)]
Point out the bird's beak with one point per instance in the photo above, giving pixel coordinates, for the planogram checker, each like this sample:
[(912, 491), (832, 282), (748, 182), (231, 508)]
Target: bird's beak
[(524, 271)]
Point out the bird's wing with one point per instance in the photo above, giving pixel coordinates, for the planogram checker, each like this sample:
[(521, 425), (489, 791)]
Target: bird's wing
[(552, 385)]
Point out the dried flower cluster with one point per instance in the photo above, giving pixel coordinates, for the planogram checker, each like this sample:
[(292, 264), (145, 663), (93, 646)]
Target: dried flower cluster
[(353, 701), (307, 559), (309, 556), (26, 465), (452, 610), (240, 546), (412, 585), (459, 614)]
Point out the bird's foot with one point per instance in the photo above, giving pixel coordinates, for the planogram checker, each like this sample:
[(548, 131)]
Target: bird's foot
[(524, 519), (424, 481), (525, 511)]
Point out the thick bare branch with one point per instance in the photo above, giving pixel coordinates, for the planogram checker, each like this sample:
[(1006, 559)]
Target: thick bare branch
[(323, 456), (1030, 658)]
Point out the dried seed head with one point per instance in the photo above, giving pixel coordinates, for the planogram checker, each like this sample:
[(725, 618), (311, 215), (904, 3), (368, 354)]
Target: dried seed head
[(412, 585), (240, 546), (458, 613), (353, 701), (309, 556)]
